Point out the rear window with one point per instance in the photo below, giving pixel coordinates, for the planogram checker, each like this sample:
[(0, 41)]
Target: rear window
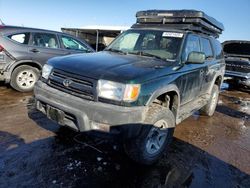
[(22, 38)]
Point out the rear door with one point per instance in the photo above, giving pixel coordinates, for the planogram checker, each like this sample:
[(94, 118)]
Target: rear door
[(209, 68), (44, 46)]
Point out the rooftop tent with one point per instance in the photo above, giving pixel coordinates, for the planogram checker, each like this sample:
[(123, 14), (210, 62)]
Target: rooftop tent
[(237, 48), (97, 36), (192, 20)]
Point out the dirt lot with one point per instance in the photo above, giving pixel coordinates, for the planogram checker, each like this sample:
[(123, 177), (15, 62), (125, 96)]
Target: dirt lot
[(206, 152)]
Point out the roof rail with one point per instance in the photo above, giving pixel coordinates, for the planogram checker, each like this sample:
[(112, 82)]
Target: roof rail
[(192, 20)]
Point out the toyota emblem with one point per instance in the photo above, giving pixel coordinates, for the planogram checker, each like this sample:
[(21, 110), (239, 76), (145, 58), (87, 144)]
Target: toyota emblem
[(67, 82)]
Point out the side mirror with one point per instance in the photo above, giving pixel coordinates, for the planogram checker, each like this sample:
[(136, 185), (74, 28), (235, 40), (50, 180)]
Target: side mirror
[(196, 57)]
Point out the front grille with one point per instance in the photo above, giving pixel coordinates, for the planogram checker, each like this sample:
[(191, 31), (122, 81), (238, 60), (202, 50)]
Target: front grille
[(241, 66), (79, 86)]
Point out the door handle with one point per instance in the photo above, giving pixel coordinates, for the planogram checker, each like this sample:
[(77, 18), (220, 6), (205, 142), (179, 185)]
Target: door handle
[(202, 72), (34, 50)]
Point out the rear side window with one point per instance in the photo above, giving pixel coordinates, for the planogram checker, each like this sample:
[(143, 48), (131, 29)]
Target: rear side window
[(22, 38), (72, 44), (206, 47), (45, 40), (218, 49)]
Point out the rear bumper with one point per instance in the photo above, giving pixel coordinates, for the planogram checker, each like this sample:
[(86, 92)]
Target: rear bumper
[(83, 115)]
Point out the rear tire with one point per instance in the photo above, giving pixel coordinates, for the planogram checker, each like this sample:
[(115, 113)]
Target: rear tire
[(209, 108), (24, 77), (153, 138)]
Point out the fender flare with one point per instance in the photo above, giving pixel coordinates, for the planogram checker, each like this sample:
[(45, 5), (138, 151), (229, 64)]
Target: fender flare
[(160, 91), (8, 71)]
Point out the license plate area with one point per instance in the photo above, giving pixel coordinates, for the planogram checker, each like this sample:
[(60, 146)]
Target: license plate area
[(55, 115)]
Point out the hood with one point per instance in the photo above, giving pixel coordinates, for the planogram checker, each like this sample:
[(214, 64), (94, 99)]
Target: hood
[(113, 66), (237, 48)]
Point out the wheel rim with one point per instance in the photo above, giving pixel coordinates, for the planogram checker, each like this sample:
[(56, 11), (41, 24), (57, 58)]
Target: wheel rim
[(156, 137), (214, 101), (26, 79)]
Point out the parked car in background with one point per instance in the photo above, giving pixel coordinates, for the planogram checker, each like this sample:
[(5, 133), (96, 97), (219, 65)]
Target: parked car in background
[(23, 51), (237, 56)]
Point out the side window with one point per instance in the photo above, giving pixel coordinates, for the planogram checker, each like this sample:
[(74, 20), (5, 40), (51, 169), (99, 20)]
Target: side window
[(206, 47), (22, 38), (72, 44), (192, 45), (46, 40), (218, 49)]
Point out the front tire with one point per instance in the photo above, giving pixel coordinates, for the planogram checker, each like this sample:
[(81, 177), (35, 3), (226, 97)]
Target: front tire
[(24, 77), (154, 138)]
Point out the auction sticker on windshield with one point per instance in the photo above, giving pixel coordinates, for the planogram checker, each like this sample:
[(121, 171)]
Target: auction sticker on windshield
[(171, 34)]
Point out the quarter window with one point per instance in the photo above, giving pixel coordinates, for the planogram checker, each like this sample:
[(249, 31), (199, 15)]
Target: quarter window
[(206, 47), (45, 40), (22, 38), (72, 44)]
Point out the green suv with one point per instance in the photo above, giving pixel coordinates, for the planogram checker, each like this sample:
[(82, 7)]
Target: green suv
[(149, 79)]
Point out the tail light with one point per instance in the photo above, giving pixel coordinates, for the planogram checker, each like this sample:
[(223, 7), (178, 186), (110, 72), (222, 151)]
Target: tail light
[(1, 48)]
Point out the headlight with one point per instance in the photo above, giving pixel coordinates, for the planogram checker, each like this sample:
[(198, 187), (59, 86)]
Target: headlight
[(46, 71), (118, 91)]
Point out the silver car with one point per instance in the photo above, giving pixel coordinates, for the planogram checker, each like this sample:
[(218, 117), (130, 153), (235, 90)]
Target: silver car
[(23, 52)]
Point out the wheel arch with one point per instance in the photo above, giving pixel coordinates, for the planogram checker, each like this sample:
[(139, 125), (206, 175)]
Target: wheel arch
[(168, 96), (218, 80), (13, 66)]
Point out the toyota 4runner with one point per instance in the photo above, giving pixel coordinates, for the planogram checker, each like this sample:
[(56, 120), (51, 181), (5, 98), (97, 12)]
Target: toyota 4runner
[(150, 78)]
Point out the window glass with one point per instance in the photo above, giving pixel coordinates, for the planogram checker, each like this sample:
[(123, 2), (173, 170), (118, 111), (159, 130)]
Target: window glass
[(127, 42), (218, 49), (45, 40), (22, 38), (72, 44), (149, 42), (192, 45), (206, 47), (165, 45)]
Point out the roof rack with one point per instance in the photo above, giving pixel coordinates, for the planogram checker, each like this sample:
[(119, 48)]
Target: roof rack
[(192, 20)]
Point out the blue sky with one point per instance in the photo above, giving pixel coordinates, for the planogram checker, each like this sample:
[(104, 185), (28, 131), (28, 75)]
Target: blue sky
[(52, 14)]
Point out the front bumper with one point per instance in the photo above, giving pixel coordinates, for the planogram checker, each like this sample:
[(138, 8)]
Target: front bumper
[(83, 115), (235, 77)]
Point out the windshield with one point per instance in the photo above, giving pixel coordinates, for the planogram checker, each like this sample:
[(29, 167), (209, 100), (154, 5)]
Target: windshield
[(161, 44)]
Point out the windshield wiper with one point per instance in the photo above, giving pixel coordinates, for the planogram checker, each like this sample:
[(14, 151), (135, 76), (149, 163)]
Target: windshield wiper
[(116, 51), (142, 53)]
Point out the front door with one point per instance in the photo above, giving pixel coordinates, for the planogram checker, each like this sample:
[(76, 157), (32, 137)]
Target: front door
[(192, 75)]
